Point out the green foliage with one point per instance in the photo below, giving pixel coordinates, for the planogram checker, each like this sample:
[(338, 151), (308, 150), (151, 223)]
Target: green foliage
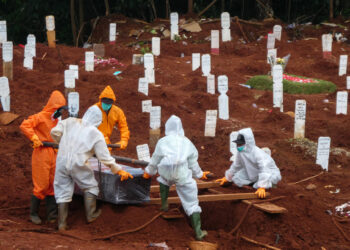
[(264, 82), (145, 50)]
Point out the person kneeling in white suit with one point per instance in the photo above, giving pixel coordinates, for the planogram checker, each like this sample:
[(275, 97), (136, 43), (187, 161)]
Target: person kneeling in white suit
[(175, 158), (79, 140), (252, 165)]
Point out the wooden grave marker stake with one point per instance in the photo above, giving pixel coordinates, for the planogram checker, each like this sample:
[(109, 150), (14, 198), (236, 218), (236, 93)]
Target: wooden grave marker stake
[(51, 33), (7, 57)]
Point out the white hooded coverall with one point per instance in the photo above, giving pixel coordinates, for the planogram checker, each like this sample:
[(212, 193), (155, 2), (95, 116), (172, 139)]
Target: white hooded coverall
[(79, 140), (253, 165), (175, 158)]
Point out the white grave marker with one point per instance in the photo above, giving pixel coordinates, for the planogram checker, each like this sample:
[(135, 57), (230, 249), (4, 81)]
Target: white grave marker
[(174, 25), (143, 86), (50, 23), (156, 46), (210, 123), (215, 37), (31, 42), (223, 98), (174, 18), (75, 68), (343, 64), (300, 117), (348, 82), (226, 35), (5, 93), (225, 20), (69, 79), (206, 64), (143, 152), (112, 32), (149, 75), (146, 106), (211, 84), (327, 41), (277, 72), (3, 31), (270, 41), (148, 60), (342, 102), (28, 62), (7, 51), (155, 116), (271, 53), (196, 61), (277, 32), (73, 104), (323, 149), (29, 50), (233, 145), (89, 61)]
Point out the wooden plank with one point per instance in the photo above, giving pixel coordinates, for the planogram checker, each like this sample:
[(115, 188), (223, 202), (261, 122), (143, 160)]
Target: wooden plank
[(200, 185), (268, 207), (211, 197)]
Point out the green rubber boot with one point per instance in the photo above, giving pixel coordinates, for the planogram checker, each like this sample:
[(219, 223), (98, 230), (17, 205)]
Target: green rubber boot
[(51, 208), (62, 216), (90, 207), (164, 191), (196, 225), (34, 210)]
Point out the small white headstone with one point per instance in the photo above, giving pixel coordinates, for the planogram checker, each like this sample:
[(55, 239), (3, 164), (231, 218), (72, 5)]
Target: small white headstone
[(215, 37), (300, 117), (277, 73), (348, 82), (323, 149), (196, 61), (89, 61), (156, 46), (226, 35), (270, 41), (174, 18), (211, 84), (50, 23), (327, 41), (271, 53), (28, 62), (149, 75), (75, 68), (7, 51), (223, 98), (146, 106), (210, 123), (206, 64), (5, 103), (148, 60), (31, 39), (112, 32), (222, 84), (342, 102), (225, 20), (155, 116), (73, 104), (278, 95), (277, 31), (143, 152), (174, 30), (29, 50), (143, 86), (343, 64), (69, 79), (3, 31), (233, 145), (4, 86)]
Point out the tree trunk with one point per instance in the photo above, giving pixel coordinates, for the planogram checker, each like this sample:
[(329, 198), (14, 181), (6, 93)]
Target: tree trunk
[(81, 19), (107, 7), (72, 18), (190, 7), (167, 8), (330, 9), (222, 6)]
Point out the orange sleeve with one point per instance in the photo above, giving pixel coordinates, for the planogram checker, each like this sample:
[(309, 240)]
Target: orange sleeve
[(123, 126), (28, 125)]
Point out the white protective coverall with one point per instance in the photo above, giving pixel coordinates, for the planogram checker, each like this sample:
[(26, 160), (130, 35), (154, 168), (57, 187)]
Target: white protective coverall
[(253, 165), (175, 158), (79, 140)]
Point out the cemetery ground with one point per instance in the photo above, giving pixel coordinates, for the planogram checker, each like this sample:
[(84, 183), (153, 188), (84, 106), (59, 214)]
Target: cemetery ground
[(181, 91)]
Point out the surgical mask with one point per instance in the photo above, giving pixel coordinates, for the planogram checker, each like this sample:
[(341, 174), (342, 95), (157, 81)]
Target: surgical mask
[(106, 106), (240, 149)]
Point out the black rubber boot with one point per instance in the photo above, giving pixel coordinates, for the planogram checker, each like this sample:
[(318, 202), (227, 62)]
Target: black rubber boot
[(34, 210), (62, 216), (196, 225), (51, 208), (164, 191), (90, 207)]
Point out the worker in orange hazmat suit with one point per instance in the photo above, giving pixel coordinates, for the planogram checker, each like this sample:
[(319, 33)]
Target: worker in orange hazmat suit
[(112, 115), (37, 128)]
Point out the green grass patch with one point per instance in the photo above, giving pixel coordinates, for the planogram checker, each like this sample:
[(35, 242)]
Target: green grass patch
[(264, 82)]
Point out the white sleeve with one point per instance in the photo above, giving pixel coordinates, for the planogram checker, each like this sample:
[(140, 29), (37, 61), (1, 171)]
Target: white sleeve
[(103, 154), (193, 165), (157, 156), (57, 132), (234, 168), (265, 173)]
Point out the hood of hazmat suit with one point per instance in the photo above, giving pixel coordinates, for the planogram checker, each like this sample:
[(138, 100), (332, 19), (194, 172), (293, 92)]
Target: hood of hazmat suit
[(114, 116), (253, 165), (175, 157)]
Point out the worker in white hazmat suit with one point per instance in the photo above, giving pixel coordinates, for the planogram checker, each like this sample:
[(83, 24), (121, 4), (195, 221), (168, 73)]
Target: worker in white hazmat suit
[(252, 165), (79, 140), (175, 158)]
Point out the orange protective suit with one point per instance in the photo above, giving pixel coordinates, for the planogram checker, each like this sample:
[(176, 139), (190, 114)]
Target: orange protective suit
[(113, 116), (43, 158)]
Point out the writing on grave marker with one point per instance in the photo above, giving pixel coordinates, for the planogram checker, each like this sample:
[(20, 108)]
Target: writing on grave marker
[(156, 46), (215, 36), (89, 61), (343, 64), (323, 149), (146, 106), (277, 32), (143, 152), (225, 20), (149, 75), (112, 32), (73, 104), (5, 94), (75, 68), (342, 102), (211, 84), (50, 23), (327, 41), (7, 51), (196, 61), (3, 31), (148, 61), (155, 117), (300, 117), (174, 25), (210, 123), (270, 41), (277, 72), (28, 62), (143, 86), (271, 53), (206, 64), (223, 98), (69, 79)]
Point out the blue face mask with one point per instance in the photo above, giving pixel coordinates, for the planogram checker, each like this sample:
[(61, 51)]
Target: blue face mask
[(106, 106), (240, 149)]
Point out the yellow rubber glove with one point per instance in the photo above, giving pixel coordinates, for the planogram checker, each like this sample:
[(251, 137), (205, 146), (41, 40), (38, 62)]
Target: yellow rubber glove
[(222, 181), (146, 175), (204, 177), (122, 144), (124, 175), (36, 141), (261, 193)]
